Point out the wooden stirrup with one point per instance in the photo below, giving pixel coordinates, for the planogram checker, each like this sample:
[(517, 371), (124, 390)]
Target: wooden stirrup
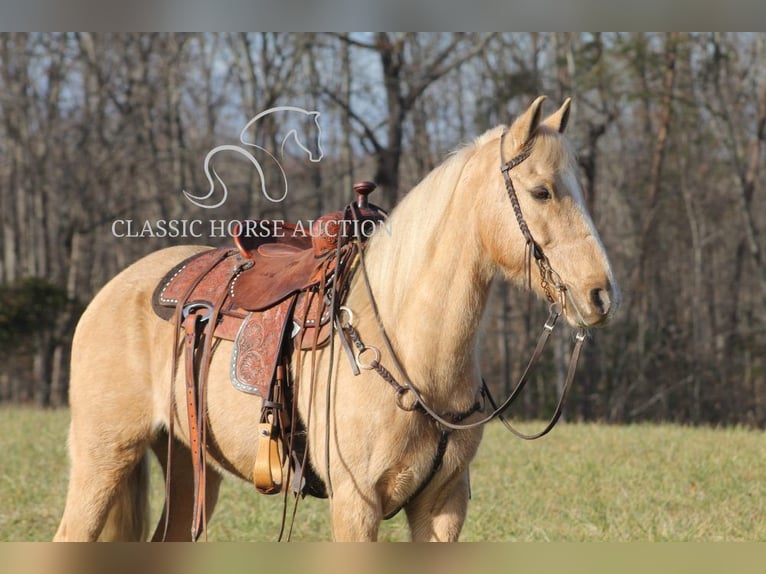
[(267, 470)]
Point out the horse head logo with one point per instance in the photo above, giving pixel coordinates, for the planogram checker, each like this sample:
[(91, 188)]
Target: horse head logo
[(313, 145), (308, 123)]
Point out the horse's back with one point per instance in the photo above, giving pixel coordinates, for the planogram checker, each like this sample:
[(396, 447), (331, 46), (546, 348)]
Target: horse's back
[(142, 276), (120, 346)]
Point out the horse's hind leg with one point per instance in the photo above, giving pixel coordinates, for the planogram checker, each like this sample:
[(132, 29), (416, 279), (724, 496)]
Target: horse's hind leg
[(106, 475), (182, 491)]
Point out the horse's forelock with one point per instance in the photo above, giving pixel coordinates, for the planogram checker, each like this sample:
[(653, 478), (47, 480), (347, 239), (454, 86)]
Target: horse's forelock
[(553, 150), (549, 145)]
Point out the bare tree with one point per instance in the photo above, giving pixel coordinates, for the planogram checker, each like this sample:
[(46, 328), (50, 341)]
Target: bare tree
[(669, 131), (405, 78)]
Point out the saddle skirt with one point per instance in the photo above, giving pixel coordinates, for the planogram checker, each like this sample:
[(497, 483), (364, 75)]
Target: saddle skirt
[(271, 292), (259, 332)]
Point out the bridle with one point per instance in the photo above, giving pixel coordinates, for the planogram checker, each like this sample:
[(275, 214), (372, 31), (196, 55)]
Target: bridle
[(366, 357), (548, 276), (549, 280)]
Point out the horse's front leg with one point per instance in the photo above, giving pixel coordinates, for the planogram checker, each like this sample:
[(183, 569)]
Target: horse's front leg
[(438, 514), (355, 517)]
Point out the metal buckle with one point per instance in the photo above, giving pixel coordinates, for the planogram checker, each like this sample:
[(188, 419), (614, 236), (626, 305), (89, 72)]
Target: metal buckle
[(349, 313), (194, 306)]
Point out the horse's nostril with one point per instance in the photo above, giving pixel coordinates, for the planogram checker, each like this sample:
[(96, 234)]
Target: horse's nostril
[(601, 301)]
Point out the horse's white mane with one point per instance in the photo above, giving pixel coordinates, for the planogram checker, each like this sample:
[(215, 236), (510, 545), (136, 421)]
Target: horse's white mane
[(415, 223)]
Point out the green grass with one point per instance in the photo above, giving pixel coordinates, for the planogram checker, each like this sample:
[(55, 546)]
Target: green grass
[(580, 483)]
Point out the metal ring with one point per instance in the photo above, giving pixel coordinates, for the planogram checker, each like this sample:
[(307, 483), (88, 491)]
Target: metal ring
[(372, 364), (399, 394), (581, 334), (553, 316), (350, 314), (194, 306), (555, 278)]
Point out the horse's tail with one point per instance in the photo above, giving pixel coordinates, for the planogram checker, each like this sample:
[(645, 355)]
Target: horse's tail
[(129, 516)]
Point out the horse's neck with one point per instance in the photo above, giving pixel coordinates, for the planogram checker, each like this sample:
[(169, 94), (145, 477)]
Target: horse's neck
[(431, 282)]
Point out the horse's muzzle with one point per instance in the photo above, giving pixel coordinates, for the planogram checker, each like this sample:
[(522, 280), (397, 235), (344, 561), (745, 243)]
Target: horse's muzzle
[(596, 308)]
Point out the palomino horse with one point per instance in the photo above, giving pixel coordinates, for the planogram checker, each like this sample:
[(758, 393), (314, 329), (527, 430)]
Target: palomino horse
[(430, 276)]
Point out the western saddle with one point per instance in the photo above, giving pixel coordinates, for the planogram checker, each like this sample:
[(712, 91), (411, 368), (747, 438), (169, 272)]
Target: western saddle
[(272, 293)]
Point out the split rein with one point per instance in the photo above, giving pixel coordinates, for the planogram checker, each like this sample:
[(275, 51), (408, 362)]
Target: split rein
[(549, 281)]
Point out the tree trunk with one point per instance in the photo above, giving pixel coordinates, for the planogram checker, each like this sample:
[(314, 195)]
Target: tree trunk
[(639, 280), (347, 152)]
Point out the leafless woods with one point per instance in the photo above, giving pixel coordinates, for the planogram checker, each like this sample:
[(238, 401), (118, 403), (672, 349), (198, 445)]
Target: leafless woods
[(669, 130)]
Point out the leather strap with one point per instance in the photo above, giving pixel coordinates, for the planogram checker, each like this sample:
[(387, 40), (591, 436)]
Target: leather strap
[(177, 321), (441, 450), (193, 330), (579, 339), (204, 345), (421, 404)]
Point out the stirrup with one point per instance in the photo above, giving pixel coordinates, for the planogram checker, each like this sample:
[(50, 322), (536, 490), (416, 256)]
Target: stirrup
[(267, 470)]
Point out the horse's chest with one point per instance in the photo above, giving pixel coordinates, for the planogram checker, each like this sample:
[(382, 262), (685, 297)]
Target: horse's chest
[(428, 464)]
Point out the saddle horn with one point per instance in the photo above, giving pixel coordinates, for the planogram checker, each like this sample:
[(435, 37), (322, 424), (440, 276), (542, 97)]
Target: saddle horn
[(362, 190)]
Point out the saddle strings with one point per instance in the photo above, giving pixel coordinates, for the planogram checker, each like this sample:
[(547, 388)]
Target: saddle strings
[(293, 424), (204, 371), (298, 478), (314, 346), (173, 407), (337, 284)]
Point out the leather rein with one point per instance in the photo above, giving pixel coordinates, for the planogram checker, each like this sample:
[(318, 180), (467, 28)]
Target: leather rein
[(549, 281)]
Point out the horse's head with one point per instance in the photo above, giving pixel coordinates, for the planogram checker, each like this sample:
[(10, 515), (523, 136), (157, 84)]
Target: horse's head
[(309, 136), (550, 203)]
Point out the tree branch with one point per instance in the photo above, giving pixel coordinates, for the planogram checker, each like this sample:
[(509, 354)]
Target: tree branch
[(368, 132), (351, 42), (436, 70)]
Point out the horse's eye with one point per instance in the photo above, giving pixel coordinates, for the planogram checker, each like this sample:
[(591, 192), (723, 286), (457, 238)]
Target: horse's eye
[(541, 193)]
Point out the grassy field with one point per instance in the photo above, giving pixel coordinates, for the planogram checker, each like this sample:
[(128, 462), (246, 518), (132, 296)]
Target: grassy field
[(581, 483)]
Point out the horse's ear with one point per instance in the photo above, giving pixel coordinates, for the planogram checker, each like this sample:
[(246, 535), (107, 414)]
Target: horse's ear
[(526, 124), (559, 119)]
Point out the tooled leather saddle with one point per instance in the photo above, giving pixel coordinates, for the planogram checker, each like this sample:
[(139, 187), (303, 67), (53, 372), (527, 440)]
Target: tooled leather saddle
[(272, 293)]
